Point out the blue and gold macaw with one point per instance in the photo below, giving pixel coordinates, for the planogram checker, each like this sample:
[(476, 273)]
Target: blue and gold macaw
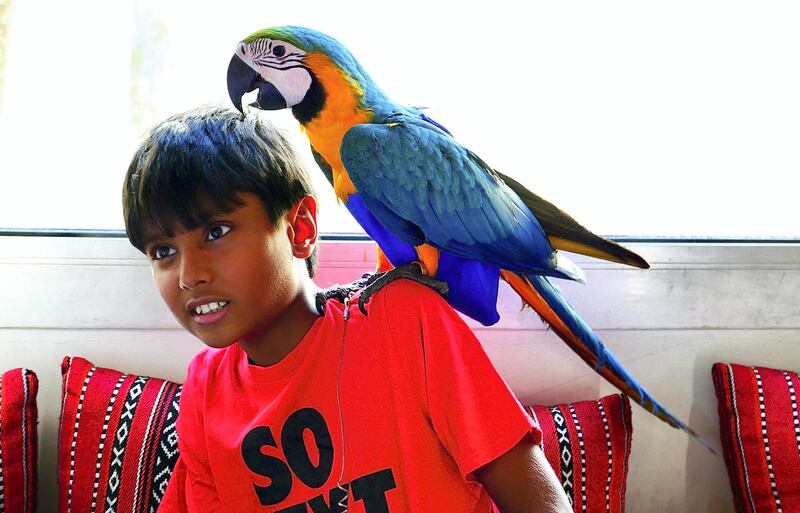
[(425, 198)]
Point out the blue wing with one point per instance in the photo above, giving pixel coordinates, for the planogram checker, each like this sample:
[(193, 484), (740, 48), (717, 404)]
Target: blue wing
[(418, 181), (463, 276)]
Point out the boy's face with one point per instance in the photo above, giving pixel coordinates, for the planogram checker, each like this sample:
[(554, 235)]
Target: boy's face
[(239, 270)]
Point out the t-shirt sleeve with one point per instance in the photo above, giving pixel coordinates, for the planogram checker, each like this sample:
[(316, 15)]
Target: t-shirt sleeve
[(472, 409), (191, 488)]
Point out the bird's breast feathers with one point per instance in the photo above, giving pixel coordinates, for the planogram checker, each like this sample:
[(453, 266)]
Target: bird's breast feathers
[(342, 109)]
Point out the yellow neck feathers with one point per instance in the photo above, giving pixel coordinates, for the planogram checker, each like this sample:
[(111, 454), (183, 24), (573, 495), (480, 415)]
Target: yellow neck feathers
[(342, 110)]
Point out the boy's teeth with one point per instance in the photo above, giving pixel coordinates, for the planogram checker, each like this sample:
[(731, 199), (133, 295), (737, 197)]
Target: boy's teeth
[(209, 307)]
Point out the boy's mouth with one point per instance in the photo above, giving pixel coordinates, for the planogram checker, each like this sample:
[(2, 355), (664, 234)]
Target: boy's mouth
[(208, 312)]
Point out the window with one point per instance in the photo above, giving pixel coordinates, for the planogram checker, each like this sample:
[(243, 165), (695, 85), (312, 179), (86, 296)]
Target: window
[(639, 119)]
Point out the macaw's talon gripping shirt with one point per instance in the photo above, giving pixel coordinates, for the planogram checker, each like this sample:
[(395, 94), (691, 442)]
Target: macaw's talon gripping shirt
[(390, 412)]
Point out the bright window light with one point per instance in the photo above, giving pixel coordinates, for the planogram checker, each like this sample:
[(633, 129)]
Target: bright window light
[(640, 119)]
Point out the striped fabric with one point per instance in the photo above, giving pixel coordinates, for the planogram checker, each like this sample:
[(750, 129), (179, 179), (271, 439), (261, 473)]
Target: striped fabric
[(588, 444), (760, 433), (117, 440), (18, 445)]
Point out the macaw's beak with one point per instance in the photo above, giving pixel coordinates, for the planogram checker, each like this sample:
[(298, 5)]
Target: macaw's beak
[(242, 79)]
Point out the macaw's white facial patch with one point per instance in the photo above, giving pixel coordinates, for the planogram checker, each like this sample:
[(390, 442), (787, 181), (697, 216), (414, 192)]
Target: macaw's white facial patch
[(293, 84), (279, 63)]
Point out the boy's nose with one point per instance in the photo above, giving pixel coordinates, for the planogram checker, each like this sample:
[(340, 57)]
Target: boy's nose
[(194, 272)]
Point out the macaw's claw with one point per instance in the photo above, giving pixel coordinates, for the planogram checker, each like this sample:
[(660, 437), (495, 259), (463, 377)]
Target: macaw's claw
[(411, 271), (340, 293)]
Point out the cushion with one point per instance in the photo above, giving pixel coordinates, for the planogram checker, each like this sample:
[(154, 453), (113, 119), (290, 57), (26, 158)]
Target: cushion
[(117, 443), (18, 446), (588, 444), (760, 434)]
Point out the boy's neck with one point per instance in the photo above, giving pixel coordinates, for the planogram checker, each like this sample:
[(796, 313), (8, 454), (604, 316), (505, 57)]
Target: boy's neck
[(285, 333)]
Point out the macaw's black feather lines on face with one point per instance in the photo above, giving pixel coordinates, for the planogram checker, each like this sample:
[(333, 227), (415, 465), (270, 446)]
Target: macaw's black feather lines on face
[(266, 52)]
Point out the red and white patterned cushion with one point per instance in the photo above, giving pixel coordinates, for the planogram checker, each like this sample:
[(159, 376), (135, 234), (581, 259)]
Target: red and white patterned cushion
[(117, 440), (760, 433), (18, 446), (588, 444)]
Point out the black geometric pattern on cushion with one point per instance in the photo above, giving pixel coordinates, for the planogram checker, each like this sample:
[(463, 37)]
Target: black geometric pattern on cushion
[(117, 443), (120, 441), (565, 453), (587, 444)]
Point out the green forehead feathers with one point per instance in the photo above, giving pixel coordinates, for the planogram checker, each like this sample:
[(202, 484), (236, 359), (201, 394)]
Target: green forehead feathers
[(279, 33)]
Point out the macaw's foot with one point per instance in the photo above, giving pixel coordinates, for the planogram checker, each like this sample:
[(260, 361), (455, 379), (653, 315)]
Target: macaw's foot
[(341, 293), (412, 271)]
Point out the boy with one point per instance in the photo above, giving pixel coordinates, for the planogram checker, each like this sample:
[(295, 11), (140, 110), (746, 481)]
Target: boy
[(290, 411)]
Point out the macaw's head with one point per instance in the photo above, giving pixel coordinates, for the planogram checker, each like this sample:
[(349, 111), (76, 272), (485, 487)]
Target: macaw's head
[(292, 67)]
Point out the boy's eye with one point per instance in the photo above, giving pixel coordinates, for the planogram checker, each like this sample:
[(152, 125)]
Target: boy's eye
[(160, 252), (217, 231)]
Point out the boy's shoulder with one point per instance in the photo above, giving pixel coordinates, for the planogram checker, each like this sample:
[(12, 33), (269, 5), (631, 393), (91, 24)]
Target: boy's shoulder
[(405, 304), (407, 294)]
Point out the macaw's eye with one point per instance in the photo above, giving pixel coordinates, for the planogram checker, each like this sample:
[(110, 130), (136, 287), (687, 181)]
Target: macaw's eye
[(279, 51)]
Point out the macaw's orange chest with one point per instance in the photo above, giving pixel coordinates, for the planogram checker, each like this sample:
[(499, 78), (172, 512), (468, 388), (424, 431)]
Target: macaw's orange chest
[(343, 108)]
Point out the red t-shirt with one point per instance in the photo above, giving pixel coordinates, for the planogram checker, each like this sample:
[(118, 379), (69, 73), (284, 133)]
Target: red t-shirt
[(421, 405)]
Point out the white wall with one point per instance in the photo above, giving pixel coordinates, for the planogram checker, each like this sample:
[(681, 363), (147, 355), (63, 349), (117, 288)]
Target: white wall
[(697, 305)]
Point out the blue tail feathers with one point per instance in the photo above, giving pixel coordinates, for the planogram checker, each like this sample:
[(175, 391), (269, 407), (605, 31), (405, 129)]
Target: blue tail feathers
[(590, 341)]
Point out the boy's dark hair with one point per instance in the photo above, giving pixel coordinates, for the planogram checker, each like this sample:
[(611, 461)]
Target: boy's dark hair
[(195, 164)]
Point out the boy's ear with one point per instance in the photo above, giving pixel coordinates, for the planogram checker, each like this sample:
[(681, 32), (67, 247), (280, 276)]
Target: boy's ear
[(302, 227)]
